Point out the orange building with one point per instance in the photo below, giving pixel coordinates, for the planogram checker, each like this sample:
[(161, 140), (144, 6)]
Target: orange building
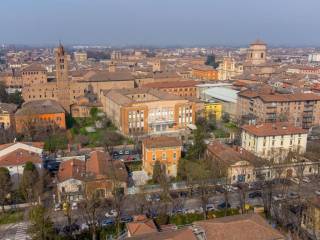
[(40, 113), (205, 73), (166, 150)]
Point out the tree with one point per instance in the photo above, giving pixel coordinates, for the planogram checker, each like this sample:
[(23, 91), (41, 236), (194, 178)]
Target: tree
[(29, 184), (110, 139), (198, 148), (41, 227), (5, 186), (56, 141), (211, 61)]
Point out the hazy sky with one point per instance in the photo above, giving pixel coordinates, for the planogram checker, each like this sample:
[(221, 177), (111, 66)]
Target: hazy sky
[(160, 22)]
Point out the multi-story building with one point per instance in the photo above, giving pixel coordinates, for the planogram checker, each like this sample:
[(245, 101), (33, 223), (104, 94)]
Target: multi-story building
[(165, 150), (267, 105), (228, 68), (274, 140), (147, 111), (34, 74), (179, 88), (80, 57), (66, 89), (40, 113), (12, 79), (205, 73), (7, 111), (213, 109)]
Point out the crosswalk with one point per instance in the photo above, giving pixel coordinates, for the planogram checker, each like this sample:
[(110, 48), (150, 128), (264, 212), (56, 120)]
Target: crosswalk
[(21, 233)]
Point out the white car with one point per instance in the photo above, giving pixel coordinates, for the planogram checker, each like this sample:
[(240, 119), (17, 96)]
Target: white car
[(111, 213), (317, 192), (210, 207), (295, 180), (306, 180), (278, 197), (57, 207), (74, 206)]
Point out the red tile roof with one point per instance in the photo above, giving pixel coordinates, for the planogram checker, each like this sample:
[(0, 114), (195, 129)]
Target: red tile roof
[(239, 227), (19, 157), (73, 168), (162, 141), (273, 129), (172, 84)]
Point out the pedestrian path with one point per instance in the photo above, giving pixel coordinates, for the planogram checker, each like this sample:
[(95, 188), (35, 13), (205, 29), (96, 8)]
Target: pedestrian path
[(21, 233)]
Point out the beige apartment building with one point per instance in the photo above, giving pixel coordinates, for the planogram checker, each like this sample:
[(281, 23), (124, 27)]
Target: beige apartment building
[(147, 111), (266, 105), (273, 140)]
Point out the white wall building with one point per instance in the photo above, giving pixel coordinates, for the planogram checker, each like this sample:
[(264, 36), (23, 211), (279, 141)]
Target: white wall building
[(273, 140)]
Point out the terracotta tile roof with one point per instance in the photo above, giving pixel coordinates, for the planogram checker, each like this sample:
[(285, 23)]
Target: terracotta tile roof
[(7, 108), (103, 76), (73, 168), (172, 84), (97, 163), (231, 155), (40, 107), (100, 165), (239, 227), (19, 157), (273, 129), (36, 67), (141, 226), (161, 141), (180, 234)]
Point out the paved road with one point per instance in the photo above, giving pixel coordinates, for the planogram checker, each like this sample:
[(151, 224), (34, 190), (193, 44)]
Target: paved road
[(14, 231)]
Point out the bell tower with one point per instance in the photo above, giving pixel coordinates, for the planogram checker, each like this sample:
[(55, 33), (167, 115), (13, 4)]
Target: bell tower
[(62, 77)]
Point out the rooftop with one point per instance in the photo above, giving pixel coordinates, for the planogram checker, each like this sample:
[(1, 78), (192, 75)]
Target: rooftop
[(40, 107), (162, 141), (239, 227), (35, 67), (19, 157), (171, 84), (6, 108), (273, 129), (222, 93)]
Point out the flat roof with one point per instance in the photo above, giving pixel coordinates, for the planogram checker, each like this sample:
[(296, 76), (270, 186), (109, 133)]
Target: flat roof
[(222, 93)]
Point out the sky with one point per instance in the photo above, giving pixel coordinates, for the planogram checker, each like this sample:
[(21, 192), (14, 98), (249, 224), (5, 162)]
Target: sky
[(160, 22)]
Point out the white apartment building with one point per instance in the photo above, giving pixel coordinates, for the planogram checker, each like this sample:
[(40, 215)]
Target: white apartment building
[(273, 140)]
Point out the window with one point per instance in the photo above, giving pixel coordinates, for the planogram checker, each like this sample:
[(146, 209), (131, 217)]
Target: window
[(153, 156), (164, 156), (174, 155)]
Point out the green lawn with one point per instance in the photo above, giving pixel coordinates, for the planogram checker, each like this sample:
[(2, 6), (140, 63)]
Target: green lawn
[(11, 217)]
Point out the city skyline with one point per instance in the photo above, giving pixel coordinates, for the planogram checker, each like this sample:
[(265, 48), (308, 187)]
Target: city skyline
[(166, 23)]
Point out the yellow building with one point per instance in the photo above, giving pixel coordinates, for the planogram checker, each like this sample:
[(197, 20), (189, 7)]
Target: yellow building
[(165, 150), (213, 109), (7, 111)]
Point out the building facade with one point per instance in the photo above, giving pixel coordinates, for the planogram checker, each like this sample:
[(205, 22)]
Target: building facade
[(164, 150), (299, 109), (274, 140), (205, 73), (147, 111)]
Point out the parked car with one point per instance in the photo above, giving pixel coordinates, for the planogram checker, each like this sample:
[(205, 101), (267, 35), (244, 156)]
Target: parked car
[(210, 207), (317, 192), (127, 152), (306, 180), (278, 197), (111, 213), (255, 194), (295, 180), (57, 207), (224, 205), (107, 222), (121, 152), (74, 206), (126, 218), (293, 195)]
